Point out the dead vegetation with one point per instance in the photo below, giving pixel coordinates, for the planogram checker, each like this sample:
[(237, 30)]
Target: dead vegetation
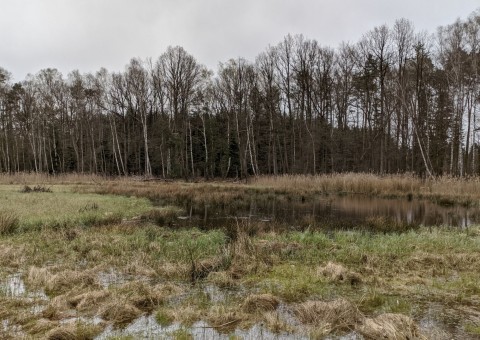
[(65, 281), (338, 273), (390, 326), (328, 316), (74, 331), (120, 312), (89, 302), (225, 319), (143, 296), (260, 303)]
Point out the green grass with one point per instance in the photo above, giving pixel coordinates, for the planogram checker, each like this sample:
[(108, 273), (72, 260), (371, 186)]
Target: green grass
[(473, 328), (65, 208)]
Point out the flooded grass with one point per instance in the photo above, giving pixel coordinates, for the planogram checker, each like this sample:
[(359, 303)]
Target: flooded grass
[(147, 278)]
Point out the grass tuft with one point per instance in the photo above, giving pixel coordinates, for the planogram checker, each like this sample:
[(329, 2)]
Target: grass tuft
[(120, 313), (260, 303), (390, 326), (331, 316), (8, 223)]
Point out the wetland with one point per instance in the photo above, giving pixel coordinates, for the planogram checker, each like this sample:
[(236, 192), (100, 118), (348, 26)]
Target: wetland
[(95, 258)]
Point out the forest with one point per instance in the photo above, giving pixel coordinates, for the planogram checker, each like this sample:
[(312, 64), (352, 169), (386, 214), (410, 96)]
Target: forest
[(396, 101)]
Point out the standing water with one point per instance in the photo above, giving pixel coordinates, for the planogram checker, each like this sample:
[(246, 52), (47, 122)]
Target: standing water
[(331, 212)]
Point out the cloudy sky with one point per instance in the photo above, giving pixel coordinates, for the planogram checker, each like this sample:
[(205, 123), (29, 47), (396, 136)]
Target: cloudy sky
[(89, 34)]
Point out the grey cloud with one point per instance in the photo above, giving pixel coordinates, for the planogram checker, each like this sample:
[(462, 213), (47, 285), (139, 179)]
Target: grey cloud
[(89, 34)]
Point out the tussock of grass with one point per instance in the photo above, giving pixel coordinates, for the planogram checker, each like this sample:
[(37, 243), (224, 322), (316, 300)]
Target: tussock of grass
[(201, 269), (120, 313), (221, 279), (89, 302), (12, 255), (186, 314), (275, 323), (63, 282), (260, 303), (36, 188), (58, 308), (75, 331), (390, 326), (8, 222), (143, 296), (337, 273), (40, 326), (223, 319), (164, 317), (171, 270), (331, 316), (37, 277)]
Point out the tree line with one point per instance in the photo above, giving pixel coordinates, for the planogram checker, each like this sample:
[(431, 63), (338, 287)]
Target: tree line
[(396, 101)]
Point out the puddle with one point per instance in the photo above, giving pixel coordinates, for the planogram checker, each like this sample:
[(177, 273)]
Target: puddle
[(441, 322), (329, 212), (13, 287), (146, 327), (221, 295), (113, 278), (95, 320)]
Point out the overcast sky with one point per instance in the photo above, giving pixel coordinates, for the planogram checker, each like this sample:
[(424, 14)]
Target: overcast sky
[(89, 34)]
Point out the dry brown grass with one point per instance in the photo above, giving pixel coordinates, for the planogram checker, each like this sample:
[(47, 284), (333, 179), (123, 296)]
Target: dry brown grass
[(260, 303), (335, 272), (224, 319), (186, 315), (143, 296), (331, 316), (37, 277), (390, 326), (171, 270), (221, 279), (64, 281), (12, 256), (359, 183), (201, 269), (89, 302), (44, 178), (74, 331), (119, 312), (275, 323), (445, 190), (40, 326), (58, 308)]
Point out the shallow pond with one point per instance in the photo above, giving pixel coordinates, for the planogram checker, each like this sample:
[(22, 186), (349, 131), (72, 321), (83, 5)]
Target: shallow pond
[(330, 212)]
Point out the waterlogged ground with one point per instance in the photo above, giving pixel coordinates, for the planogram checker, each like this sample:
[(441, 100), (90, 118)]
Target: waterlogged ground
[(139, 275)]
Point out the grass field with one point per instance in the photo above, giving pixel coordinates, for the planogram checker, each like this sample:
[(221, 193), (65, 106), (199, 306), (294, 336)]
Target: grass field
[(69, 270)]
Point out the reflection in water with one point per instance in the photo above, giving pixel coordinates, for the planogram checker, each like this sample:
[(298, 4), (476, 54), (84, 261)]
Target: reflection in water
[(331, 212)]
